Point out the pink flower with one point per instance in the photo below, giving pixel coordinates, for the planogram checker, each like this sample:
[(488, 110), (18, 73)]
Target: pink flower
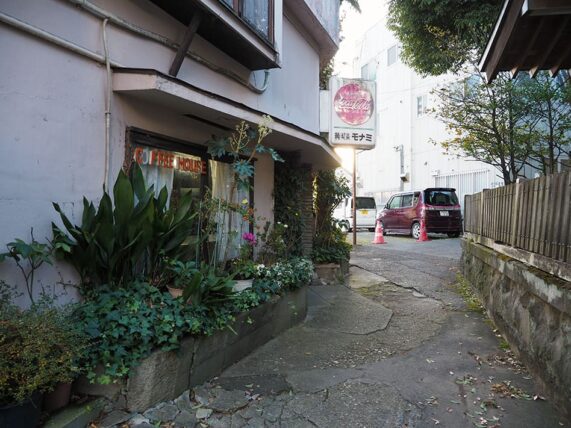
[(250, 238)]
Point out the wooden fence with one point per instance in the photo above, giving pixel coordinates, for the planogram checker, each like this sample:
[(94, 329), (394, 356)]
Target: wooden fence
[(533, 215)]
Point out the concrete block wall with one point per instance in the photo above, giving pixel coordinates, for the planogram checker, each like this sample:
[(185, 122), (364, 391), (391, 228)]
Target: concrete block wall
[(532, 309), (165, 375)]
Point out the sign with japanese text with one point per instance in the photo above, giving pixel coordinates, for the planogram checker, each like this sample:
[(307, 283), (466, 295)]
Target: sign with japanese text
[(353, 116)]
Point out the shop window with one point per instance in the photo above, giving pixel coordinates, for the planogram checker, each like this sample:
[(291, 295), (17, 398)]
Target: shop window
[(184, 173)]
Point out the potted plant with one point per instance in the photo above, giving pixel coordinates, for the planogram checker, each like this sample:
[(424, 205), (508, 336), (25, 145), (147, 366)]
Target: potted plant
[(243, 268), (181, 274), (39, 349)]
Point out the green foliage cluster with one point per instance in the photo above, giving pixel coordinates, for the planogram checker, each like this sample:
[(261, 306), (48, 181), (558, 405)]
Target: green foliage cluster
[(126, 324), (509, 123), (241, 147), (329, 245), (39, 348), (126, 237), (289, 184), (28, 257), (440, 36)]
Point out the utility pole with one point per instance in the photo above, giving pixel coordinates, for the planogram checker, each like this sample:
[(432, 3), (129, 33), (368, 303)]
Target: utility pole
[(354, 208)]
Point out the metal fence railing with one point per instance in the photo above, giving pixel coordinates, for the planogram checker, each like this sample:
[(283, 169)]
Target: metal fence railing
[(533, 215)]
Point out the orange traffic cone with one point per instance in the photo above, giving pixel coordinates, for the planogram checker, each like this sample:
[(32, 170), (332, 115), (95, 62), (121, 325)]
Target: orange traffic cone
[(423, 236), (379, 239)]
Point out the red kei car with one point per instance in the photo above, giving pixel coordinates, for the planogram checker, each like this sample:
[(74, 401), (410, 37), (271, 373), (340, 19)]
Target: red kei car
[(438, 206)]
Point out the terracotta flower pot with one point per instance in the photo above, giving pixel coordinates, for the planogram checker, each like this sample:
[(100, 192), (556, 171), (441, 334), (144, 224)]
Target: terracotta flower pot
[(175, 292), (57, 398)]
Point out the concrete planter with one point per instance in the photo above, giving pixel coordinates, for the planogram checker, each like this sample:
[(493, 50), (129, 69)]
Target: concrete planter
[(332, 273), (165, 375)]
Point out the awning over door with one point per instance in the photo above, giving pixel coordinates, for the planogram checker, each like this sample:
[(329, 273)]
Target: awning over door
[(182, 98)]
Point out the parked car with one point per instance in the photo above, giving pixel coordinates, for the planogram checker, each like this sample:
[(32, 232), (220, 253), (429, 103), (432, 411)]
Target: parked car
[(438, 206), (366, 213)]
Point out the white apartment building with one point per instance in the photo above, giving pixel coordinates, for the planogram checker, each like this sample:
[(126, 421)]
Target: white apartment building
[(405, 156)]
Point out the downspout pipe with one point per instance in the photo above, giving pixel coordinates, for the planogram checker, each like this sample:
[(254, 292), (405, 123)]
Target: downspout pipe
[(122, 23)]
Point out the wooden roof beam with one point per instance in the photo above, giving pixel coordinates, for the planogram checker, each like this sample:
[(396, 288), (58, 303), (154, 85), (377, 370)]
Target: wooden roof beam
[(549, 49), (528, 48), (566, 53)]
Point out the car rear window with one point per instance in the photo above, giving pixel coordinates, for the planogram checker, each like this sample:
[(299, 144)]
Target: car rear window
[(365, 203), (440, 197)]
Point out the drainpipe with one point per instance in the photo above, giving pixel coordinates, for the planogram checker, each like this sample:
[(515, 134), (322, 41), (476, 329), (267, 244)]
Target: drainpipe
[(107, 103), (44, 35)]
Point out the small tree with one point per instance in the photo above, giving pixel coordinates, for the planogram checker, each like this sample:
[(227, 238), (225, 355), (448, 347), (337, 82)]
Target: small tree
[(550, 104), (491, 123)]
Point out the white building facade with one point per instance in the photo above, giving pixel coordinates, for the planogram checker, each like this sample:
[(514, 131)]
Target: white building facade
[(406, 156), (88, 83)]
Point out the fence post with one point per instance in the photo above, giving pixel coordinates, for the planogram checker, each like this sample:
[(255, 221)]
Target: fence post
[(515, 213), (481, 225)]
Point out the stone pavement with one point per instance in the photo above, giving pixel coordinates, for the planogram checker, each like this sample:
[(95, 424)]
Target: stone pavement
[(396, 349)]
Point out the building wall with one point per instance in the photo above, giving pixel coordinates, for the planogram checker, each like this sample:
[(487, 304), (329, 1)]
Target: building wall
[(52, 108)]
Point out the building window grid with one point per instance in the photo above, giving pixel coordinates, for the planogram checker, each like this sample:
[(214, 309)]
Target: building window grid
[(421, 105)]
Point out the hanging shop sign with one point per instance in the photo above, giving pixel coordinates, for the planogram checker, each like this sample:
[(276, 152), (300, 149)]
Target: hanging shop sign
[(171, 160), (353, 116)]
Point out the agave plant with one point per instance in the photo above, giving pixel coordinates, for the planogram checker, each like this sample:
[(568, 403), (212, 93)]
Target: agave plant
[(127, 237)]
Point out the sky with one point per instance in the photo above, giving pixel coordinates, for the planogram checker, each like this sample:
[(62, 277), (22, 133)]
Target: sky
[(353, 27)]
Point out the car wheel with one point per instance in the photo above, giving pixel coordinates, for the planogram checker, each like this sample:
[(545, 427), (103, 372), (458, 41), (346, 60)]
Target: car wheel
[(453, 234), (371, 229), (384, 230), (415, 230)]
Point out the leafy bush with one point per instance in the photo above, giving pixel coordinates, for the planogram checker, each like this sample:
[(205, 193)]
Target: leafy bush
[(332, 254), (126, 237), (329, 245), (125, 325), (207, 288), (39, 348)]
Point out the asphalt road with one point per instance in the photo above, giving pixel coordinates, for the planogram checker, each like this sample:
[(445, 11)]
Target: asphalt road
[(396, 346)]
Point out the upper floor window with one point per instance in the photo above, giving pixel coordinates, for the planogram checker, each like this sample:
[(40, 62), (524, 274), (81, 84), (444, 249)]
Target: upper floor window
[(392, 55), (421, 105), (369, 70), (257, 13)]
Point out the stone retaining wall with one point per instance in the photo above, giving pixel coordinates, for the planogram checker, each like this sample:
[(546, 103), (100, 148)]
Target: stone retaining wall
[(166, 375), (533, 311)]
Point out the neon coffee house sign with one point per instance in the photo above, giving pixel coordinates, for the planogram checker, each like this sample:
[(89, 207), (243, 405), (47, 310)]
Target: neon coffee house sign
[(170, 160)]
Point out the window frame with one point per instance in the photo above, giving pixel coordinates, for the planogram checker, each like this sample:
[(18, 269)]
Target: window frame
[(422, 108), (237, 8), (389, 50)]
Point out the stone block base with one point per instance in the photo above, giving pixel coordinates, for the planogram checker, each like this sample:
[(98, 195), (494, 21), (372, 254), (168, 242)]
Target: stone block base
[(533, 311)]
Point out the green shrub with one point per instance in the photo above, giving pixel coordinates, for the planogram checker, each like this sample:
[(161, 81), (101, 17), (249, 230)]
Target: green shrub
[(329, 245), (39, 348), (292, 273)]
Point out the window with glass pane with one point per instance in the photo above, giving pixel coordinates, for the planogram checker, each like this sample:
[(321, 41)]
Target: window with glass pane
[(257, 13), (392, 55), (230, 226)]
